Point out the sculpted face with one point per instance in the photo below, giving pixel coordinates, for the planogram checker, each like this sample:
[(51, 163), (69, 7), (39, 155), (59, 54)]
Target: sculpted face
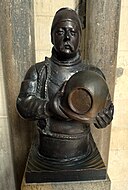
[(66, 37)]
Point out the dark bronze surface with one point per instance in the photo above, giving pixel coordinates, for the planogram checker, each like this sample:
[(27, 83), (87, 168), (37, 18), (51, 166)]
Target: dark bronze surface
[(86, 168), (86, 94), (64, 95)]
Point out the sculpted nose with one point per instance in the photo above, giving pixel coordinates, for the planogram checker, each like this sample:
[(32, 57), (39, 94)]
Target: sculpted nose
[(67, 36)]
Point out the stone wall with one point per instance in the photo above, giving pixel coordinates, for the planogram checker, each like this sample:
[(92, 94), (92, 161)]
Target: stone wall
[(17, 52), (118, 158)]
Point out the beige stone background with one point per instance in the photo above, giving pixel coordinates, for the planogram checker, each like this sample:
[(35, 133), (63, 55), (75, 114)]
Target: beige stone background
[(118, 157)]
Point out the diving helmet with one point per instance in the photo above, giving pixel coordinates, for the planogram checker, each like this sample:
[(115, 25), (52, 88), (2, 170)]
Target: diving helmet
[(86, 93)]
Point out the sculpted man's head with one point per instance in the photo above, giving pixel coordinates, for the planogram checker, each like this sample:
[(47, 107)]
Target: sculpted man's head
[(66, 32)]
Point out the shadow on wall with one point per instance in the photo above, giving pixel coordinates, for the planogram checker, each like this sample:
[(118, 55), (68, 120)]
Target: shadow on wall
[(81, 11)]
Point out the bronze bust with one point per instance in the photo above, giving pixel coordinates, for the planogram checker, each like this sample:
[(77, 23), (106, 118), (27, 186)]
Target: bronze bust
[(64, 94)]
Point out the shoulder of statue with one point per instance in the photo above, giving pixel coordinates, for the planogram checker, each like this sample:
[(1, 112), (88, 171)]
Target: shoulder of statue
[(43, 69), (36, 69), (31, 73), (41, 65)]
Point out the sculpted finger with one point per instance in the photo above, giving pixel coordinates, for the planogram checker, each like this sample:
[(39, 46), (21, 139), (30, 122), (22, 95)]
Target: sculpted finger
[(112, 109), (97, 126), (100, 123), (109, 112)]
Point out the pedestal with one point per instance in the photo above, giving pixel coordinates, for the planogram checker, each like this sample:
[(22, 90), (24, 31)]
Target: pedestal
[(88, 175), (89, 185), (40, 169)]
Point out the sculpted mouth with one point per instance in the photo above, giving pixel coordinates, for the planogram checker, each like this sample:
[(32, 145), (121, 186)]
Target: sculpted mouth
[(67, 47)]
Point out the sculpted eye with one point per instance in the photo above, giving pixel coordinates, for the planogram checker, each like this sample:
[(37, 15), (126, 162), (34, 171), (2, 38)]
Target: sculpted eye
[(59, 32), (73, 33)]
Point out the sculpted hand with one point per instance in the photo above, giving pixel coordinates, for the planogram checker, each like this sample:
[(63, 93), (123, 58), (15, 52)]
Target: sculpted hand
[(54, 103), (104, 117)]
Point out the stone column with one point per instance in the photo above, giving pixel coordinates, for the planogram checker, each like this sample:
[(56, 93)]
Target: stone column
[(102, 26), (17, 48)]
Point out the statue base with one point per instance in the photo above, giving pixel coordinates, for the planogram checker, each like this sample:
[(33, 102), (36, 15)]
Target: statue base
[(86, 185), (40, 170)]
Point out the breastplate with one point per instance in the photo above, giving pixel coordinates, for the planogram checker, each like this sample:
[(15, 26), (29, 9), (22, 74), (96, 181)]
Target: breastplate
[(72, 135), (58, 75)]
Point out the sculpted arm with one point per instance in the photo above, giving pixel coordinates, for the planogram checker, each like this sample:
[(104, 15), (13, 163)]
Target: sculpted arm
[(29, 103)]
